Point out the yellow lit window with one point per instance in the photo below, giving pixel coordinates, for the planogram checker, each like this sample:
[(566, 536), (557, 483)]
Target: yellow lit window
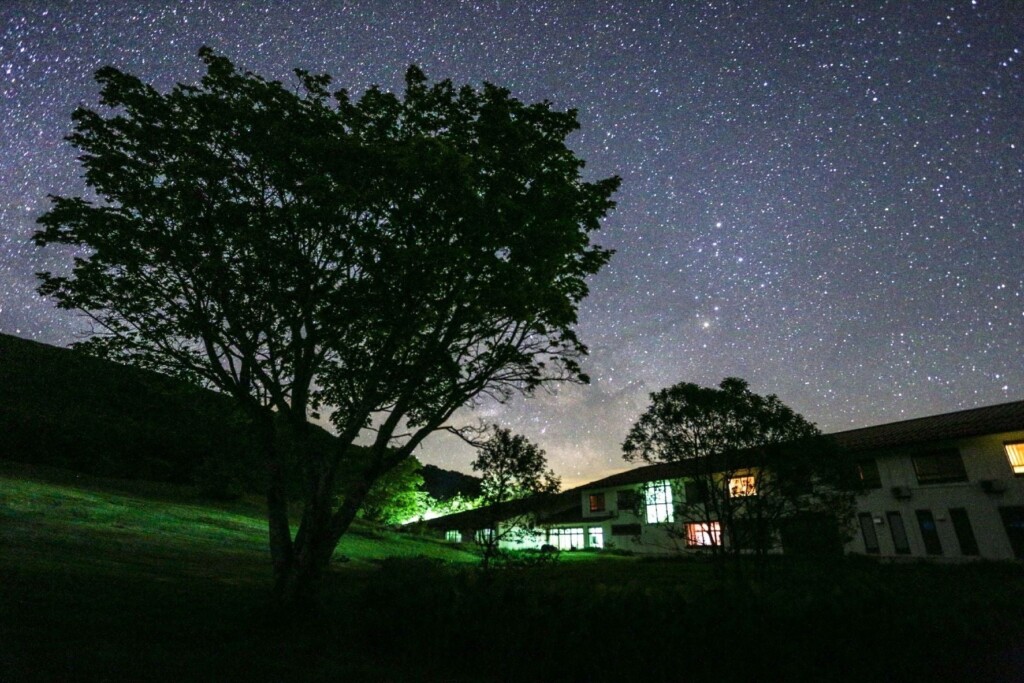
[(743, 486), (1015, 452)]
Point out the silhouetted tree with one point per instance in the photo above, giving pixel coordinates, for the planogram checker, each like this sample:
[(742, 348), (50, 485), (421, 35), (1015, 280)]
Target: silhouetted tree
[(756, 464), (387, 260), (512, 468)]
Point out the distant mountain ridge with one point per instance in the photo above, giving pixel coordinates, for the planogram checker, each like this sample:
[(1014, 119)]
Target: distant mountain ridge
[(66, 409), (444, 484)]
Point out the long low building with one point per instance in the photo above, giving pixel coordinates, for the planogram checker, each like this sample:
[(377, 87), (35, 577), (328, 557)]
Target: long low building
[(948, 486)]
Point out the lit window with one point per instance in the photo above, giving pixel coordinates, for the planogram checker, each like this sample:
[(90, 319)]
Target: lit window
[(703, 534), (485, 536), (1015, 452), (566, 539), (453, 535), (939, 467), (658, 497), (596, 535), (740, 487), (597, 502)]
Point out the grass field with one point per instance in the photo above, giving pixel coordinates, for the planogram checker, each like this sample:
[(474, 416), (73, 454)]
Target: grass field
[(119, 581)]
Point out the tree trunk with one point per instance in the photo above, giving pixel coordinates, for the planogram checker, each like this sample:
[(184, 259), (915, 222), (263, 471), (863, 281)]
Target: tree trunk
[(299, 586), (278, 527)]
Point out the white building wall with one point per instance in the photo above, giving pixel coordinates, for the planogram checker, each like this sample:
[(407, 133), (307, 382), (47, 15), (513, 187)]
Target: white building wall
[(984, 458)]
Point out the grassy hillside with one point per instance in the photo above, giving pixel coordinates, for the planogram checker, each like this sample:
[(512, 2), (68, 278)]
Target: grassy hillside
[(123, 580), (65, 409), (116, 580)]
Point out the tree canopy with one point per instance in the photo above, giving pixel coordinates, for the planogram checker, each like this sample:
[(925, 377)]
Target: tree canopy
[(687, 421), (756, 463), (387, 259), (511, 468)]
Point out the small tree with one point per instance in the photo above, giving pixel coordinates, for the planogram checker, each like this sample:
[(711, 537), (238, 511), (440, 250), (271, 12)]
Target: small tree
[(755, 462), (512, 469), (397, 496), (387, 260)]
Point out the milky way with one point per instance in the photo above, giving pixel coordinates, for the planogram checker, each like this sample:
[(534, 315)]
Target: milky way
[(824, 199)]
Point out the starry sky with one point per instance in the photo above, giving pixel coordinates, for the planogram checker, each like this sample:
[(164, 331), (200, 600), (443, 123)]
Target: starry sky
[(824, 198)]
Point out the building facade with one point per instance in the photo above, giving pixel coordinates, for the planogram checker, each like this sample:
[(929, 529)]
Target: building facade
[(946, 486)]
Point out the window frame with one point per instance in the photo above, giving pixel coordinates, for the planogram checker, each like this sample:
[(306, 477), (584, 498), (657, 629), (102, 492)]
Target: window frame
[(892, 517), (964, 531), (556, 534), (939, 477), (742, 486), (662, 506), (626, 500), (929, 532), (596, 502), (695, 536), (867, 523), (869, 482), (1017, 445)]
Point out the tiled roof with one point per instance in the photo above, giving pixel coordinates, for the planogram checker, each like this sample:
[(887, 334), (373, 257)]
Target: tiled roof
[(573, 515), (667, 470), (1005, 417), (481, 517)]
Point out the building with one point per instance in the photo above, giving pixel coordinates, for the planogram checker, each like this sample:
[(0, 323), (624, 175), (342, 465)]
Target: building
[(948, 486), (942, 486)]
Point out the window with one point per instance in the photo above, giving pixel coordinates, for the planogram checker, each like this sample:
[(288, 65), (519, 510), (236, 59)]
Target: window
[(626, 500), (597, 502), (899, 533), (693, 492), (1013, 522), (595, 537), (867, 474), (867, 530), (485, 536), (741, 487), (1015, 454), (625, 529), (939, 467), (566, 539), (703, 534), (964, 532), (453, 536), (929, 532), (658, 497)]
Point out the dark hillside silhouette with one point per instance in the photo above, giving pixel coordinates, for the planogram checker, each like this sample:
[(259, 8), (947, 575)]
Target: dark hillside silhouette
[(63, 408)]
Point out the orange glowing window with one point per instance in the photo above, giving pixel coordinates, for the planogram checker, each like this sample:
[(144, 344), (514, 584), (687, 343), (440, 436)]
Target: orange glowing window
[(1015, 452), (740, 487), (703, 534)]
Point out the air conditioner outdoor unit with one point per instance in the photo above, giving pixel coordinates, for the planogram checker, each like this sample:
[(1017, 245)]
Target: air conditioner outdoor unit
[(993, 485), (902, 492)]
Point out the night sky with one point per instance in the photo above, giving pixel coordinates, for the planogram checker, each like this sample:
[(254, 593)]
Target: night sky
[(824, 198)]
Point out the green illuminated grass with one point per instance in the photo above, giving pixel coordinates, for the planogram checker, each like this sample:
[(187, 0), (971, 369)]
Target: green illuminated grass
[(113, 580), (118, 531)]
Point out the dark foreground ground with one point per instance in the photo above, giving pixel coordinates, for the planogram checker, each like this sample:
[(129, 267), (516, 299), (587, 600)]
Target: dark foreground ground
[(107, 581)]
